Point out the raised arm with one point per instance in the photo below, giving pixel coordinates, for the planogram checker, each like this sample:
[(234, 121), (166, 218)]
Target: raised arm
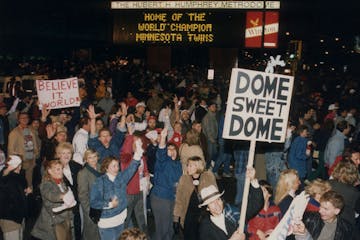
[(128, 173), (163, 136), (255, 199), (92, 116)]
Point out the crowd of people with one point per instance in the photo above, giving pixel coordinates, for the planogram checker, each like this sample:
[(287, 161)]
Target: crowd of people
[(156, 147)]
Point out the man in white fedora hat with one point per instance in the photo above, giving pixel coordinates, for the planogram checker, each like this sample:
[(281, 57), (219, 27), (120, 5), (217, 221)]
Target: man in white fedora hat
[(222, 220)]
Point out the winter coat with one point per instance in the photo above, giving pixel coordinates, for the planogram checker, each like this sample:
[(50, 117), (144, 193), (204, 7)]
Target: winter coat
[(209, 231), (113, 149), (103, 190), (314, 224), (13, 200), (51, 197), (297, 155), (166, 175), (184, 190), (16, 142), (85, 180), (351, 199)]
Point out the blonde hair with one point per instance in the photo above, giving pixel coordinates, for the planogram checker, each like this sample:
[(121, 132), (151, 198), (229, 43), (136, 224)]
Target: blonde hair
[(89, 152), (346, 172), (62, 146), (200, 166), (318, 186), (286, 182), (192, 138)]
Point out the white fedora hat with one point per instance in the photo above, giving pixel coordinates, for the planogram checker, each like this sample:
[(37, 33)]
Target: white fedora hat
[(209, 194), (14, 161)]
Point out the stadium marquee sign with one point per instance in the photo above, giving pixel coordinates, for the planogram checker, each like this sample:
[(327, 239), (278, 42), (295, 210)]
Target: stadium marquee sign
[(195, 5)]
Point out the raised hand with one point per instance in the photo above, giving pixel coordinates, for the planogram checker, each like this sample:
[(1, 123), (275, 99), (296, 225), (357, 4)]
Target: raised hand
[(50, 130), (44, 113), (91, 112), (164, 132)]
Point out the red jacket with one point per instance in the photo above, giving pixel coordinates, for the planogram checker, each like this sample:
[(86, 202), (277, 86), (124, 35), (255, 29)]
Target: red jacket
[(264, 221), (126, 155)]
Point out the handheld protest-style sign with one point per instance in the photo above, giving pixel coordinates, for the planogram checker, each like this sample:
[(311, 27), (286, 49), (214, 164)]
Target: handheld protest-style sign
[(258, 106), (61, 93), (257, 110)]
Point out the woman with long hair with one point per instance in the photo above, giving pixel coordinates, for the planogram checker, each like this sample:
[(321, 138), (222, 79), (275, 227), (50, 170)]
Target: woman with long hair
[(54, 222), (345, 178), (64, 151), (186, 210), (286, 187)]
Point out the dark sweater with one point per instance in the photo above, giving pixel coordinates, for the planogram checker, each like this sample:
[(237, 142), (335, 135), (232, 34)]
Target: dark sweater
[(13, 200)]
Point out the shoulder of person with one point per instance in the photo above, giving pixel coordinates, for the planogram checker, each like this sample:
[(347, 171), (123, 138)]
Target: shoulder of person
[(75, 166)]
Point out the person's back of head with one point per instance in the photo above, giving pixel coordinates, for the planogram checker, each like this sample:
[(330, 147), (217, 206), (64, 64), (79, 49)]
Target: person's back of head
[(342, 125), (288, 181), (346, 172), (133, 234), (317, 188)]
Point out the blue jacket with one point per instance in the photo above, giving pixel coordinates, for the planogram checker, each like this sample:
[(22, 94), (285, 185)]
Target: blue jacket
[(297, 155), (166, 175), (113, 149), (103, 190)]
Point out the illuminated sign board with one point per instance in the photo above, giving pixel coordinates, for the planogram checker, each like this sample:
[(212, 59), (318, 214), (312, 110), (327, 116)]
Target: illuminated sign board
[(195, 5), (190, 27), (183, 22)]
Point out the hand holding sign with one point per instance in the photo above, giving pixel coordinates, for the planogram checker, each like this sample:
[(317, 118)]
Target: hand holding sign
[(44, 113), (257, 110)]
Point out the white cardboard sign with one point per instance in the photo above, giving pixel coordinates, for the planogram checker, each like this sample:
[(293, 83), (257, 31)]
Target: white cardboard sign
[(258, 106), (61, 93)]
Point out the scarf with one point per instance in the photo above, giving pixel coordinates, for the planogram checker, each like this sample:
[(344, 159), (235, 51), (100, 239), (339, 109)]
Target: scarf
[(57, 180), (92, 170)]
